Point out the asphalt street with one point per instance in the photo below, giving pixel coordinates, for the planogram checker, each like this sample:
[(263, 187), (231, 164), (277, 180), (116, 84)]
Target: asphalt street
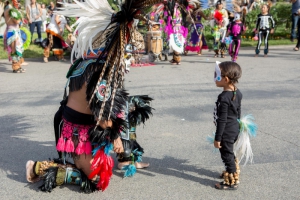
[(182, 163)]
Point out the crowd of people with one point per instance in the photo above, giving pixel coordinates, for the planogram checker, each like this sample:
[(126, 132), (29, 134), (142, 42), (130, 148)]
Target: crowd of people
[(97, 115), (181, 32), (37, 17)]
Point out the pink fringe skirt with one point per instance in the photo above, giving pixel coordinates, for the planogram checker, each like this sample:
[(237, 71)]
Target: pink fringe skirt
[(74, 138)]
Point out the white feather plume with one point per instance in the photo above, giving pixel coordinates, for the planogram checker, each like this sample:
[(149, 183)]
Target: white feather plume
[(94, 15), (242, 147)]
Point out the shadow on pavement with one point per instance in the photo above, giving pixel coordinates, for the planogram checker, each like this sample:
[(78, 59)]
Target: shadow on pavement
[(179, 168)]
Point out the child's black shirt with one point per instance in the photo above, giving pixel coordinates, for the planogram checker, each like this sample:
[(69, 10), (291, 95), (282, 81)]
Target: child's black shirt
[(226, 115)]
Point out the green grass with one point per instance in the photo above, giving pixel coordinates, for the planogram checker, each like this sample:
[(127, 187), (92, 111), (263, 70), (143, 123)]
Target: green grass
[(279, 38)]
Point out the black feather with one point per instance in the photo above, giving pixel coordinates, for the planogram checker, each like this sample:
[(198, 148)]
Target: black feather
[(139, 109), (49, 179)]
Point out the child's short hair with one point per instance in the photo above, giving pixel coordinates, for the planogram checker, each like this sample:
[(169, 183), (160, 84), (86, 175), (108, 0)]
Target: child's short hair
[(232, 70), (267, 5)]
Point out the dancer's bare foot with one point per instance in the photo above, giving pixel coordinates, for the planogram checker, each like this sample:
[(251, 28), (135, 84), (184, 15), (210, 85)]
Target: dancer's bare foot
[(24, 63), (29, 172), (255, 55), (266, 55), (138, 165)]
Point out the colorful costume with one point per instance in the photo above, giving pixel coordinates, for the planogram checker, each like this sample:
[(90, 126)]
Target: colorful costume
[(55, 41), (13, 42), (219, 32), (235, 30), (196, 36), (263, 27), (176, 34)]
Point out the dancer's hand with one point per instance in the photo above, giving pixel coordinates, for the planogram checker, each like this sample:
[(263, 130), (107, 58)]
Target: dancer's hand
[(217, 144), (118, 146), (105, 123), (272, 31)]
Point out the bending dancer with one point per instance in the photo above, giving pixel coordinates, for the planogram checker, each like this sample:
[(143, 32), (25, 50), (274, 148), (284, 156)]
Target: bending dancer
[(94, 115), (264, 29)]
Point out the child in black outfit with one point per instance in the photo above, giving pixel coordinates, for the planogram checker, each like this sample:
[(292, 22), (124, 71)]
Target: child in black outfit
[(226, 115)]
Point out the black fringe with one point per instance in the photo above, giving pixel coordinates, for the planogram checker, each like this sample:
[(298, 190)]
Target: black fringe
[(76, 83), (132, 145), (98, 135), (139, 109)]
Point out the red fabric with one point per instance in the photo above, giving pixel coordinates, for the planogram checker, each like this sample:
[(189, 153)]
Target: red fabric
[(193, 49), (218, 16), (205, 47)]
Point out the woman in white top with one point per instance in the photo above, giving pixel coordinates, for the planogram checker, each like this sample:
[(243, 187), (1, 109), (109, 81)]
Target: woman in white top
[(34, 16), (256, 4), (44, 17), (55, 32)]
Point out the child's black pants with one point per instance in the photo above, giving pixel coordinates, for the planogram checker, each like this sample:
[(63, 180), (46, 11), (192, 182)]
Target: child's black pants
[(227, 156)]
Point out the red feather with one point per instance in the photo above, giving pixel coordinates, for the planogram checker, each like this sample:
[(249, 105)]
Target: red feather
[(94, 173), (218, 16), (102, 166), (104, 181)]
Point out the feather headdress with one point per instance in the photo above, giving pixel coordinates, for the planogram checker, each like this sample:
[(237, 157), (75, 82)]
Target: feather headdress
[(98, 22)]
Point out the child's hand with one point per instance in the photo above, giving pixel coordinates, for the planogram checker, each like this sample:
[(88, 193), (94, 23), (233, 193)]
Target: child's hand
[(217, 144)]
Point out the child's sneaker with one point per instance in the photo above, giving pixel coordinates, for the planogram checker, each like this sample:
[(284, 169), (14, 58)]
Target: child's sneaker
[(233, 59)]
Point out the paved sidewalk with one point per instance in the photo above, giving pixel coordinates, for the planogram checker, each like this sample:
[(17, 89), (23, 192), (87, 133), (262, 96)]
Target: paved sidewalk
[(182, 163)]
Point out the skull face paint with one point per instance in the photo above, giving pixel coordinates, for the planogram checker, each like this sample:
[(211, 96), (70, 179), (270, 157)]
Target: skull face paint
[(218, 76)]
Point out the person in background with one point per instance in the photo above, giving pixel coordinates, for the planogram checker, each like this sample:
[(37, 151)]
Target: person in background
[(295, 21), (55, 32), (34, 16), (265, 25), (44, 17), (235, 30), (13, 43), (51, 8)]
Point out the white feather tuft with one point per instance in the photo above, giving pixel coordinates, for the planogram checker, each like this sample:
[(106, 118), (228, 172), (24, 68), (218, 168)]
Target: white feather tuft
[(242, 147), (94, 15)]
